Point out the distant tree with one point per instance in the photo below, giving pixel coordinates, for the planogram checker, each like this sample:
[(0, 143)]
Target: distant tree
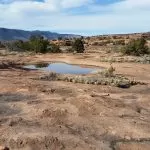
[(78, 46), (1, 45), (36, 43), (39, 44), (60, 38), (82, 37), (67, 43), (53, 48), (14, 45), (18, 45), (136, 47)]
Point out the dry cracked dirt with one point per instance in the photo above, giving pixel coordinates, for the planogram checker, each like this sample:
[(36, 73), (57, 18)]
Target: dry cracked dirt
[(57, 115)]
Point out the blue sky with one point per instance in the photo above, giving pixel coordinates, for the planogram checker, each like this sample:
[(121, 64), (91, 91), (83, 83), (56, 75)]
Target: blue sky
[(86, 17)]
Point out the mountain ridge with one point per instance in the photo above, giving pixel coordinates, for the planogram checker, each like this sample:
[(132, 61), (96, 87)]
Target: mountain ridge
[(18, 34)]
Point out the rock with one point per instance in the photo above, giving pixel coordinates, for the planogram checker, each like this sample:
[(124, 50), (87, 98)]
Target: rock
[(4, 148), (144, 112), (127, 138), (123, 84)]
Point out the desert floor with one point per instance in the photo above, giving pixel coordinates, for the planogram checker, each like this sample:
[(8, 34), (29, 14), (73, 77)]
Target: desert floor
[(58, 115)]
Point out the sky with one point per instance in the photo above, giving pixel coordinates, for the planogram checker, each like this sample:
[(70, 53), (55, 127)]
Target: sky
[(84, 17)]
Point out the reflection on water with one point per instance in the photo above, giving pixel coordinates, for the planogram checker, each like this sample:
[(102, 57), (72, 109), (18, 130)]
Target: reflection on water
[(62, 68), (41, 65)]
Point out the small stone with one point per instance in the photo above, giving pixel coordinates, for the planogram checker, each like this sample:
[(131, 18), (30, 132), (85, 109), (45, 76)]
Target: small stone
[(127, 138)]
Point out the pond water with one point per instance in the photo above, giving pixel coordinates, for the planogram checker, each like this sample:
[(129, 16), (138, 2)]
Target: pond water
[(62, 68)]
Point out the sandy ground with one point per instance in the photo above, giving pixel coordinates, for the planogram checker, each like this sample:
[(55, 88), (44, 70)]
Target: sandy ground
[(57, 115)]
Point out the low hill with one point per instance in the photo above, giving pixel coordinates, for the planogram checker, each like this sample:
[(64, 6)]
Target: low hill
[(15, 34)]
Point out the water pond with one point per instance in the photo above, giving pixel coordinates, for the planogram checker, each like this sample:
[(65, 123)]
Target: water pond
[(62, 68)]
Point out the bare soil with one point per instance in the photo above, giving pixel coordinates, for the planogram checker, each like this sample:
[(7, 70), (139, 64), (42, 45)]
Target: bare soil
[(57, 115)]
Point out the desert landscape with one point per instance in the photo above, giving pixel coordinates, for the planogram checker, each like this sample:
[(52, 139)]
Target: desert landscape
[(44, 111)]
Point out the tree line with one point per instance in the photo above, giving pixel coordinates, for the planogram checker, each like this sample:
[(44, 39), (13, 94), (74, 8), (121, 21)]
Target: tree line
[(38, 44)]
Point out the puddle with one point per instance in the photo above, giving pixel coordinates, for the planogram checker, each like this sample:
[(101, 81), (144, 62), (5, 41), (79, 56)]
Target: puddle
[(63, 68)]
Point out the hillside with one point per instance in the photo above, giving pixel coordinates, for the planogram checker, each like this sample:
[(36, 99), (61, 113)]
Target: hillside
[(112, 42), (15, 34)]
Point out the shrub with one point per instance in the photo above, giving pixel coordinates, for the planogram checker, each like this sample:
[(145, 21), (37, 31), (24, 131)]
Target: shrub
[(78, 46), (53, 48), (119, 42), (13, 46), (107, 72), (36, 44), (21, 45), (69, 50), (42, 65), (39, 44), (1, 45), (114, 37), (60, 38), (95, 43), (68, 43), (52, 76), (136, 47)]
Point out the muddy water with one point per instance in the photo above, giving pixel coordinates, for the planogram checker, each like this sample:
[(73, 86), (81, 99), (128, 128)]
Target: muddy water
[(62, 68)]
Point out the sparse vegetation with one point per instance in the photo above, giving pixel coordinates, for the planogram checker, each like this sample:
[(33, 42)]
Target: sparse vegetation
[(104, 77), (60, 38), (53, 48), (102, 43), (68, 43), (108, 72), (98, 79), (136, 47), (36, 44), (41, 65), (52, 76), (78, 46), (119, 42), (1, 45), (145, 59), (70, 50), (81, 106)]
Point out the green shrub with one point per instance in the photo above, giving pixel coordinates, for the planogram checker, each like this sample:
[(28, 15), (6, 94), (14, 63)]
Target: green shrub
[(60, 38), (14, 45), (21, 45), (1, 45), (136, 47), (78, 46), (38, 44), (69, 50), (68, 43), (53, 48), (41, 45)]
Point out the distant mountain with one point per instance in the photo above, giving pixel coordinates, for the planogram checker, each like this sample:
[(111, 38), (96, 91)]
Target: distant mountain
[(15, 34)]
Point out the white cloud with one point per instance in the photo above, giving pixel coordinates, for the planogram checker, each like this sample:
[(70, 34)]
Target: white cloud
[(75, 3), (124, 16)]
